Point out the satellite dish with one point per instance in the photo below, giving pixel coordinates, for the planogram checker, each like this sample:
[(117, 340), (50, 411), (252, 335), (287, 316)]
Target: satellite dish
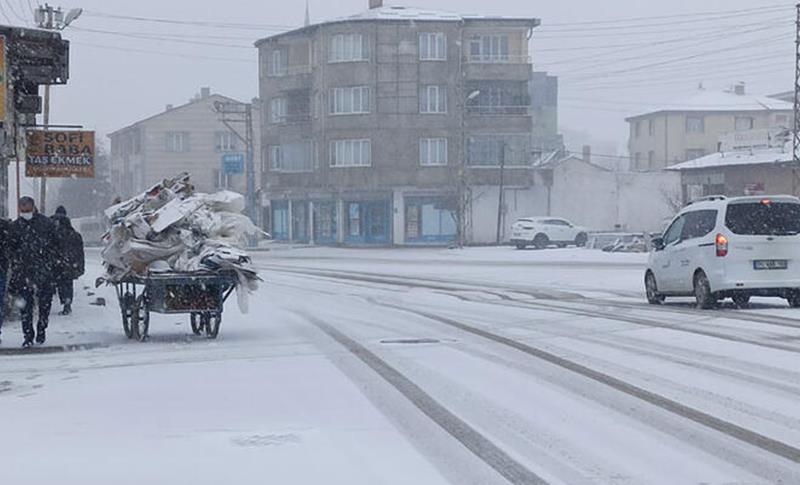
[(72, 15)]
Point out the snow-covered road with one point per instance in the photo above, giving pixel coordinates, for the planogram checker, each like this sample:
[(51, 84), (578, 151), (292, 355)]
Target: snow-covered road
[(419, 366)]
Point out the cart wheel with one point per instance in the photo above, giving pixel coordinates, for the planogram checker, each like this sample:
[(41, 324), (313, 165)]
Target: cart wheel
[(140, 322), (126, 306), (212, 321), (197, 323)]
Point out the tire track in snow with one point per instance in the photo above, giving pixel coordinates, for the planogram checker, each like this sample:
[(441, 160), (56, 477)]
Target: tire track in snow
[(479, 445), (732, 430), (456, 285)]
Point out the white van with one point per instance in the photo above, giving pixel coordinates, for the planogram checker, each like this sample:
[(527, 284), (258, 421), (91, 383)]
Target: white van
[(735, 248)]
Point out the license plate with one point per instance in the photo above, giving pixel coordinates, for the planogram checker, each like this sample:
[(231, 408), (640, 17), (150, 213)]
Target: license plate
[(767, 264)]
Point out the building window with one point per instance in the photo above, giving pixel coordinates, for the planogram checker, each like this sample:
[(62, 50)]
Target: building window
[(432, 152), (492, 150), (351, 153), (177, 141), (744, 123), (498, 98), (224, 141), (278, 63), (278, 108), (488, 48), (325, 222), (693, 153), (637, 129), (637, 161), (651, 127), (782, 120), (433, 99), (651, 160), (430, 219), (349, 100), (695, 124), (280, 220), (432, 47), (221, 181), (293, 157), (348, 48)]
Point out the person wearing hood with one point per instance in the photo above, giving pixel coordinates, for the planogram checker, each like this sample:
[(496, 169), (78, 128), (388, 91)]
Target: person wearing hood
[(69, 266), (34, 250)]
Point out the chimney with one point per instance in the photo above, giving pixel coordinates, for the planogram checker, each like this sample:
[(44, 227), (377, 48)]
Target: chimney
[(169, 107), (205, 92), (738, 89), (587, 153), (375, 4)]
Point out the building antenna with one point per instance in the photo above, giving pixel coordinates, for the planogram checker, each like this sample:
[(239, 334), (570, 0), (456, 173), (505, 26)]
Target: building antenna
[(308, 17), (796, 130)]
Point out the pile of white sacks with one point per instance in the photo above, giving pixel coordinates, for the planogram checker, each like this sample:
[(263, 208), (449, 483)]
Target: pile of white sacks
[(170, 228)]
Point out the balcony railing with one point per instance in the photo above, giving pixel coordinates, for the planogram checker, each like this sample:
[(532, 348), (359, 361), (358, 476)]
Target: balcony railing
[(497, 59), (282, 71), (292, 118), (498, 110)]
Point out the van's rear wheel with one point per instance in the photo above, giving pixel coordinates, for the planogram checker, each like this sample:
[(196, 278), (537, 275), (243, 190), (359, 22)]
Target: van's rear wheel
[(794, 299), (741, 301), (521, 245), (702, 292), (651, 287), (581, 240)]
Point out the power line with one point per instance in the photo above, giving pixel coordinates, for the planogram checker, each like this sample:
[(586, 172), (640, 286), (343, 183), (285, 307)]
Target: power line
[(640, 67), (630, 19), (163, 53), (197, 23), (662, 24), (607, 60), (161, 38)]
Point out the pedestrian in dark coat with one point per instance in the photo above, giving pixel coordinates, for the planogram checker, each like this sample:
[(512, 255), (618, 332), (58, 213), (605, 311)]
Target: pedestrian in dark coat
[(69, 265), (34, 250), (5, 247)]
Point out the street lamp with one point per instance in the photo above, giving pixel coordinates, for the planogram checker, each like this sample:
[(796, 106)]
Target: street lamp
[(462, 176)]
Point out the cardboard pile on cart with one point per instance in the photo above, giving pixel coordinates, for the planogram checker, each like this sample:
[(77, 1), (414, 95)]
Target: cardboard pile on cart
[(170, 228)]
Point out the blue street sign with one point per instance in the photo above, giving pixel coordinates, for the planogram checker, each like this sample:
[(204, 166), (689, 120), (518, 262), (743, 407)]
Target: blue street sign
[(233, 163)]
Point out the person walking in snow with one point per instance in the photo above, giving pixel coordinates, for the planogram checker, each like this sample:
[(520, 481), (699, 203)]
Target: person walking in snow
[(34, 248), (69, 265), (5, 227)]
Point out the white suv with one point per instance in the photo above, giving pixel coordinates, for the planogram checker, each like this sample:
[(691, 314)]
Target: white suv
[(541, 232), (718, 248)]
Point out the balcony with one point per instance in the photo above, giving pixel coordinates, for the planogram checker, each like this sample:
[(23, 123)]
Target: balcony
[(292, 119), (498, 59), (517, 110)]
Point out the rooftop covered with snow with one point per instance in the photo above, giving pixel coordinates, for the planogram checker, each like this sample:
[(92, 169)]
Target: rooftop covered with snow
[(763, 156), (704, 100), (413, 14)]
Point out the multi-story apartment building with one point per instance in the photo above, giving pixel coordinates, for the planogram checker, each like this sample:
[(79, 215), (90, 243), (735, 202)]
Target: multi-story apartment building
[(187, 138), (372, 122), (544, 109), (692, 128)]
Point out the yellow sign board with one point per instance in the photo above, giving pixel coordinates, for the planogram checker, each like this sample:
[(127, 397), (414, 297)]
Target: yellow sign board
[(52, 153)]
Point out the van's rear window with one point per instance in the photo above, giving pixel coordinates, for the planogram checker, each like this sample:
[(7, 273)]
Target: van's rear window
[(761, 218)]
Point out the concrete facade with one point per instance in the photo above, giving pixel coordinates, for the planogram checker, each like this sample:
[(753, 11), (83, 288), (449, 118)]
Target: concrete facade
[(401, 188), (692, 128), (188, 138)]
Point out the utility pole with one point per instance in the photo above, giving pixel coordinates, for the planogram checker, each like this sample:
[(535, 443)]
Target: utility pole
[(50, 18), (500, 197), (231, 113), (796, 130)]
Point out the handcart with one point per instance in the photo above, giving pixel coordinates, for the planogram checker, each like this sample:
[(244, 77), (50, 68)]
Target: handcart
[(201, 295)]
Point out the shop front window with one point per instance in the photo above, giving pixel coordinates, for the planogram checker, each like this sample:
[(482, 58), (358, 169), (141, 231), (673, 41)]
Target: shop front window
[(430, 219)]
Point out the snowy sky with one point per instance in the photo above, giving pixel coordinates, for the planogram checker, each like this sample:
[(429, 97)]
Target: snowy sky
[(608, 70)]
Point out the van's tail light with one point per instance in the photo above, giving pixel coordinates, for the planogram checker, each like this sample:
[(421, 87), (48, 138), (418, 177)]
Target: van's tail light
[(722, 246)]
